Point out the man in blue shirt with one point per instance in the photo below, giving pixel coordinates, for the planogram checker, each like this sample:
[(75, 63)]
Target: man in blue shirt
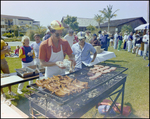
[(104, 40), (82, 50)]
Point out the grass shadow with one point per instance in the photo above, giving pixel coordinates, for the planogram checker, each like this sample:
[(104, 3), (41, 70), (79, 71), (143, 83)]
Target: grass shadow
[(114, 61)]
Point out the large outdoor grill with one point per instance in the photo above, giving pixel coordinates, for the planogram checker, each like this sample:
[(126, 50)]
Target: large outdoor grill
[(75, 105)]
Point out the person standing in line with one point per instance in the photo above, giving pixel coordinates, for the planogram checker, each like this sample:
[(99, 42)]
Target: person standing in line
[(138, 41), (115, 40), (111, 40), (95, 41), (104, 40), (99, 35), (108, 38), (5, 67), (52, 50), (146, 45), (133, 43), (125, 38), (82, 50), (130, 38), (88, 36), (119, 41), (70, 37), (26, 53), (35, 45)]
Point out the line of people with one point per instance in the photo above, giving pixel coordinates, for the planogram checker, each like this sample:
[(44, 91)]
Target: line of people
[(132, 42)]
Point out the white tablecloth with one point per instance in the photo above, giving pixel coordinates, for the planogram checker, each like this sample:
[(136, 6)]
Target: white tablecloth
[(105, 55)]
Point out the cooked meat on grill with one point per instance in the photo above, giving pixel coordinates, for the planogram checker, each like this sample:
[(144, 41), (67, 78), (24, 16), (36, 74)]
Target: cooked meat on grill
[(90, 73), (106, 71), (62, 85), (113, 68), (95, 76)]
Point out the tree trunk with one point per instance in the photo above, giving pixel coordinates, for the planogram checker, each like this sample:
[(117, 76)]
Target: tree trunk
[(99, 26), (108, 25)]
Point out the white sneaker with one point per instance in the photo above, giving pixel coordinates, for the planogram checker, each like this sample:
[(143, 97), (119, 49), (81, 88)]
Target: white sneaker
[(3, 95), (19, 91), (12, 93)]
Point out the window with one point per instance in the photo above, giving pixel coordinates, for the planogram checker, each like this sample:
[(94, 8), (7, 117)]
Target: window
[(22, 22), (30, 22)]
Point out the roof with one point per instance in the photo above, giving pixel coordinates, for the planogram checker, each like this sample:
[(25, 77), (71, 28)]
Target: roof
[(16, 17), (84, 22), (122, 21)]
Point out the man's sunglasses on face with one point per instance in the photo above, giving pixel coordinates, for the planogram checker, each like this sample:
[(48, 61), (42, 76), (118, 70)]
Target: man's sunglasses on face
[(82, 39), (58, 34)]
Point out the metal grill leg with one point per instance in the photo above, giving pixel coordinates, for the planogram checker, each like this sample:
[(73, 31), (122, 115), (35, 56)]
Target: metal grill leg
[(122, 97), (113, 104)]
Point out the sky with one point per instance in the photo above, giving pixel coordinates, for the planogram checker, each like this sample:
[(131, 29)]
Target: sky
[(47, 11)]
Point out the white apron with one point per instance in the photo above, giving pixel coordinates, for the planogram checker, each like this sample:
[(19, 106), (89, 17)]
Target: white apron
[(55, 70)]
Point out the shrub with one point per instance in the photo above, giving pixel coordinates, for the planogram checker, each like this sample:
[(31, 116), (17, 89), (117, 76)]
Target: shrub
[(11, 39)]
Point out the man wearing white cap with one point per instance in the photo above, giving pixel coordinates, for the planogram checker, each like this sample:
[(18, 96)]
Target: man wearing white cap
[(52, 51), (82, 50)]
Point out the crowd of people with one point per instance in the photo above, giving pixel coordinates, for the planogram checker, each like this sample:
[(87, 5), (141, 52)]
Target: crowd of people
[(53, 49)]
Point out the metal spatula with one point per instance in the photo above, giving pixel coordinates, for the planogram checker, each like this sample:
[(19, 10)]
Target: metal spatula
[(40, 74)]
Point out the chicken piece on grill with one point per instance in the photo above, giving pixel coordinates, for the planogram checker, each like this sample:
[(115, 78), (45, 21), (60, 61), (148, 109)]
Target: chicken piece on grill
[(39, 83), (84, 84), (62, 92)]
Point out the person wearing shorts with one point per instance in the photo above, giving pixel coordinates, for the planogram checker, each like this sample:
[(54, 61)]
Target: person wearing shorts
[(4, 66), (138, 41)]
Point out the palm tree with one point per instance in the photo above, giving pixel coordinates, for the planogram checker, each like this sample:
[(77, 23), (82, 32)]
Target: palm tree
[(16, 28), (99, 19), (108, 14)]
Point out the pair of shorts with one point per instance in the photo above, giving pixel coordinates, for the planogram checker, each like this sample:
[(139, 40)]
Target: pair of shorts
[(4, 65), (111, 40), (138, 45)]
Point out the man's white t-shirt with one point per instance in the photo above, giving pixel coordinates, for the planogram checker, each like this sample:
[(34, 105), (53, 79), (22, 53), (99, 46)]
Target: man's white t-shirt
[(69, 39)]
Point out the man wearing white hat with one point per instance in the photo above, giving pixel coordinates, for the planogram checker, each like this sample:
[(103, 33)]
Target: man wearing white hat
[(82, 50), (52, 51)]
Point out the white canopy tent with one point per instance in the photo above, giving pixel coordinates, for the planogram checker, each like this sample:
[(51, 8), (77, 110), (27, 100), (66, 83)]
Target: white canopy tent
[(142, 27)]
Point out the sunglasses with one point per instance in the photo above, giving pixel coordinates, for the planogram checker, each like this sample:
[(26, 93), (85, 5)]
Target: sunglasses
[(82, 39), (58, 34)]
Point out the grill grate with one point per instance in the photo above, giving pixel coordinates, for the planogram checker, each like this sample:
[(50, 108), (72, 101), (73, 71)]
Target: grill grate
[(73, 107), (82, 76)]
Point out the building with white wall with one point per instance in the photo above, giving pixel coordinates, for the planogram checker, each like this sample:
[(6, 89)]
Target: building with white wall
[(8, 20)]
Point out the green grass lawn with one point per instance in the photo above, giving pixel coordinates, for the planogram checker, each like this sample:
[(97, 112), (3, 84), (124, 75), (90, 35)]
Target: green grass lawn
[(136, 88)]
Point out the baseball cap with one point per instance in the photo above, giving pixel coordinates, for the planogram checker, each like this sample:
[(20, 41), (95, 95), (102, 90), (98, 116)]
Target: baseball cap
[(81, 35), (57, 25)]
